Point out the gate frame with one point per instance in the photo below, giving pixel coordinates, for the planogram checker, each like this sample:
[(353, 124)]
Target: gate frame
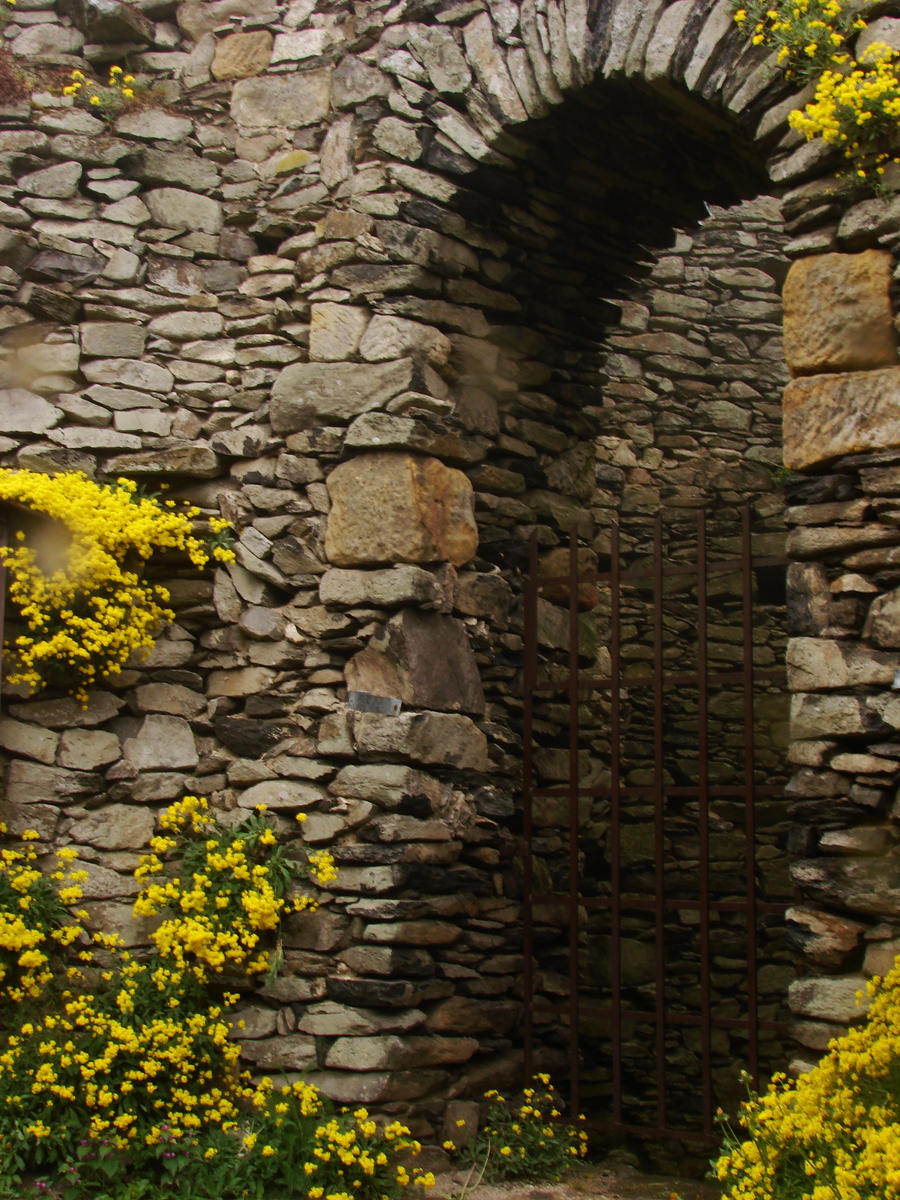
[(752, 906)]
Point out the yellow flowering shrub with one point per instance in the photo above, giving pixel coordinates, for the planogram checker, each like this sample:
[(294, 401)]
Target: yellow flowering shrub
[(809, 35), (229, 890), (831, 1134), (123, 1083), (523, 1137), (84, 611), (35, 924), (859, 111), (857, 103)]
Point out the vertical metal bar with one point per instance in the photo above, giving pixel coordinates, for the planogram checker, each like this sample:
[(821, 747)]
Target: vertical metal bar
[(614, 820), (529, 679), (749, 798), (573, 824), (703, 791), (659, 822)]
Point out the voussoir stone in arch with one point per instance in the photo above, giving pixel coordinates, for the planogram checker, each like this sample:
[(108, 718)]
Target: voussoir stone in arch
[(392, 508)]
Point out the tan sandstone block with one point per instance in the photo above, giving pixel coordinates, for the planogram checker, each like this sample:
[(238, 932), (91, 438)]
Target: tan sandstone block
[(837, 313), (394, 508), (242, 54), (825, 416)]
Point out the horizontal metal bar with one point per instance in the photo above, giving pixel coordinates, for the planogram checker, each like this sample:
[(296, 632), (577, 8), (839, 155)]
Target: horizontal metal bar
[(727, 566), (643, 903), (647, 1131), (721, 790), (603, 683), (687, 1020)]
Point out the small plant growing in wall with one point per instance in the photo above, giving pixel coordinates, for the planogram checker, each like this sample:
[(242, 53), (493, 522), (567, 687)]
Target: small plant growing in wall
[(856, 106), (84, 608), (104, 100)]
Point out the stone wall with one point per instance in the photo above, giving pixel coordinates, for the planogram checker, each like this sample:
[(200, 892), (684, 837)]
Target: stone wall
[(345, 275)]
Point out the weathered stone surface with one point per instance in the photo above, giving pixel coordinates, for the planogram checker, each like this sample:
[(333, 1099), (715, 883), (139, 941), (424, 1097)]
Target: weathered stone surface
[(489, 64), (42, 818), (442, 59), (883, 621), (252, 1021), (387, 784), (843, 999), (59, 181), (413, 933), (330, 1019), (823, 938), (389, 338), (161, 743), (22, 411), (242, 54), (355, 82), (350, 1087), (29, 740), (114, 827), (197, 17), (180, 209), (290, 1052), (101, 883), (47, 42), (404, 584), (837, 313), (467, 1015), (335, 331), (197, 461), (282, 100), (861, 885), (32, 782), (113, 339), (86, 749), (108, 21), (113, 917), (282, 793), (823, 664), (428, 737), (307, 394), (389, 1052), (400, 661), (130, 373), (154, 125), (388, 508), (67, 713), (881, 957), (829, 415), (243, 681)]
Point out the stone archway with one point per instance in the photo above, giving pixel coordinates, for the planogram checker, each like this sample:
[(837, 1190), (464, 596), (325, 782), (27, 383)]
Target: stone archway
[(272, 289)]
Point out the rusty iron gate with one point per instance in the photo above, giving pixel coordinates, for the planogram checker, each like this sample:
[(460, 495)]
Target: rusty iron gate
[(616, 680)]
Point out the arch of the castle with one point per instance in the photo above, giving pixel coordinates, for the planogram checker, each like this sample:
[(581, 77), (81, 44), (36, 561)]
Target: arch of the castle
[(392, 288)]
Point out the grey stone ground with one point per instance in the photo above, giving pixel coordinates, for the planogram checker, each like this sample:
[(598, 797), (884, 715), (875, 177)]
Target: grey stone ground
[(586, 1182)]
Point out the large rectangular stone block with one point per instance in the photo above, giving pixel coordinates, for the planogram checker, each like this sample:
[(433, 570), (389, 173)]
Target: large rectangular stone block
[(826, 416)]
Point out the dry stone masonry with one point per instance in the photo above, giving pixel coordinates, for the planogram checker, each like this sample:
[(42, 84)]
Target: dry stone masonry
[(391, 287)]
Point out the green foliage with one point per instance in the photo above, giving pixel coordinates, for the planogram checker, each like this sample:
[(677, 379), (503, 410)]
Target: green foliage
[(523, 1137)]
